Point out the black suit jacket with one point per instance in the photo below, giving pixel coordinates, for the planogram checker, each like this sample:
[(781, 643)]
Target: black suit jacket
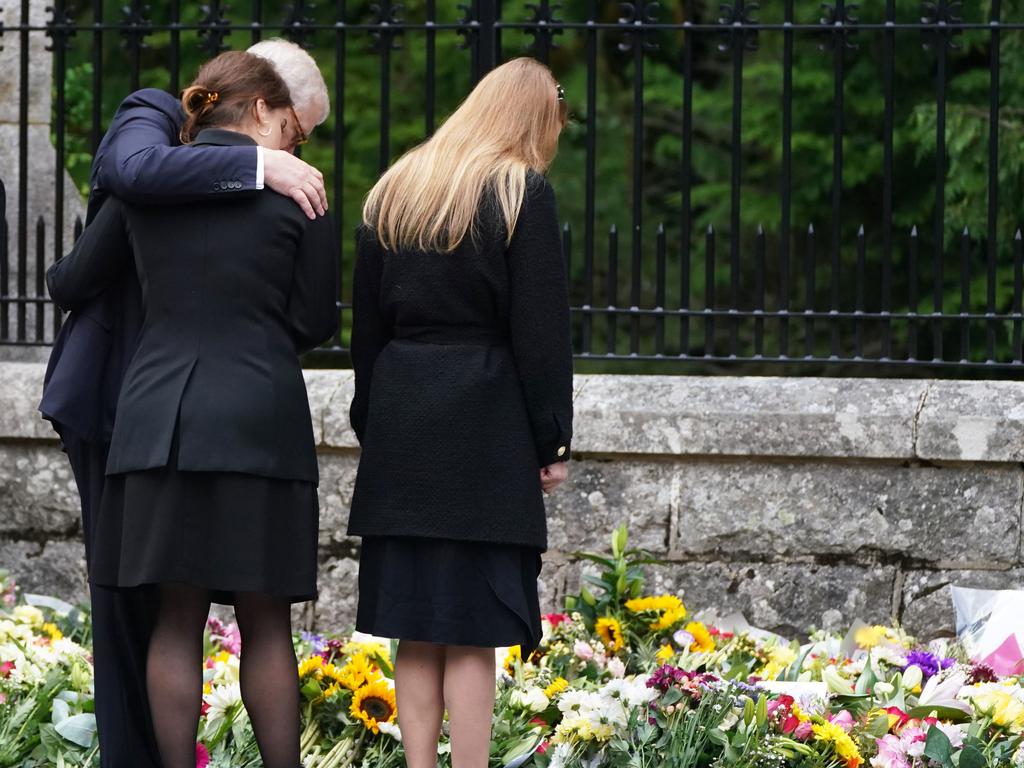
[(233, 290), (139, 160), (463, 380)]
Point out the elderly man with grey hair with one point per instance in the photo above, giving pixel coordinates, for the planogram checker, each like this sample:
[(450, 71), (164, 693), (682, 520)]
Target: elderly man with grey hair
[(140, 161)]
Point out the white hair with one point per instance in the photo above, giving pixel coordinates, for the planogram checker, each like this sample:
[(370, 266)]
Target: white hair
[(300, 73)]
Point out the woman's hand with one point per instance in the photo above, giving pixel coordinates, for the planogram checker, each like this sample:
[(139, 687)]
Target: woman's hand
[(552, 475)]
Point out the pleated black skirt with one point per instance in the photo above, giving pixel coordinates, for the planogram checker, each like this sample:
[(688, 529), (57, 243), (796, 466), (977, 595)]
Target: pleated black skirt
[(225, 531), (449, 592)]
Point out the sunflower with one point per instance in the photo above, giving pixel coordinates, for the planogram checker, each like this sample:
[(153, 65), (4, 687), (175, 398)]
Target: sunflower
[(702, 640), (512, 657), (374, 704), (656, 603), (665, 653), (610, 632), (313, 665), (358, 671)]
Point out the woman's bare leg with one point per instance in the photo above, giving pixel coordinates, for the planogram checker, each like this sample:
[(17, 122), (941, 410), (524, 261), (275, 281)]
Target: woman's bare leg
[(419, 691), (469, 696)]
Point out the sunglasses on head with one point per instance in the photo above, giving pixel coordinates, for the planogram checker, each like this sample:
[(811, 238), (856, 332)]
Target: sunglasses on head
[(560, 92)]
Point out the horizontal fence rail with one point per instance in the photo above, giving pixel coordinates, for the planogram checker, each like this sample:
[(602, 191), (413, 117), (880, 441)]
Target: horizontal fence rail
[(833, 188)]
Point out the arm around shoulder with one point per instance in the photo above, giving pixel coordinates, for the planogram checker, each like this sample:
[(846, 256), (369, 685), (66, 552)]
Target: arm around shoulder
[(539, 321)]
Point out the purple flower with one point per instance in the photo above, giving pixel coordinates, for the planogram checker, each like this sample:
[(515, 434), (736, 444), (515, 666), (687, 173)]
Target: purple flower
[(929, 663), (315, 641)]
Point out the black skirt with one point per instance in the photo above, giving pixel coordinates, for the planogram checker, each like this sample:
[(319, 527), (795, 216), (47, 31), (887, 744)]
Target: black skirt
[(449, 592), (225, 531)]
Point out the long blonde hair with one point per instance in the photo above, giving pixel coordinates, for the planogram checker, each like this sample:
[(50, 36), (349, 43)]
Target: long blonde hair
[(510, 122)]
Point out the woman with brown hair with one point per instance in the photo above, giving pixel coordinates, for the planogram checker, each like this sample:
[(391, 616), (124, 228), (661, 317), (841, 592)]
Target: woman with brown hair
[(212, 472), (463, 402)]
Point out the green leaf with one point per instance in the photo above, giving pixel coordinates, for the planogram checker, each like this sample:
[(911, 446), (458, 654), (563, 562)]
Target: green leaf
[(78, 729), (970, 757), (938, 747)]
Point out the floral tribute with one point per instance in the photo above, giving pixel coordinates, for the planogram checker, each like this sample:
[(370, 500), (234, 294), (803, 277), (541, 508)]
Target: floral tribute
[(622, 679)]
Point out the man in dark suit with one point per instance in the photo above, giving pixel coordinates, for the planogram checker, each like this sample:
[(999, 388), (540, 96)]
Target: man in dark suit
[(140, 159)]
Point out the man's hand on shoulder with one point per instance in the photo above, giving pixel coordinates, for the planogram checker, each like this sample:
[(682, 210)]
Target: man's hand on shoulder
[(287, 175)]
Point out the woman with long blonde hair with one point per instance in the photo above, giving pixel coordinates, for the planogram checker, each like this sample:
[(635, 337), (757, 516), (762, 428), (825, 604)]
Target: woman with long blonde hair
[(463, 402)]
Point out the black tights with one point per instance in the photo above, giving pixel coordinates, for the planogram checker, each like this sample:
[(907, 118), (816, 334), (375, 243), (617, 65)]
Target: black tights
[(270, 687)]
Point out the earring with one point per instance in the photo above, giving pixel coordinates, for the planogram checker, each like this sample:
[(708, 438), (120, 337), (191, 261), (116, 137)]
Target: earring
[(261, 133)]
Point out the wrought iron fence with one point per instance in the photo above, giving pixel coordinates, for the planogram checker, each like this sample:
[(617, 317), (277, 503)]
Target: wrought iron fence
[(785, 238)]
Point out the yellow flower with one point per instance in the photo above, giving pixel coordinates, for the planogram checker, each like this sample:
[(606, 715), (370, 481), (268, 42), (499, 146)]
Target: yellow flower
[(669, 619), (665, 653), (779, 657), (844, 746), (702, 640), (657, 603), (610, 632), (358, 671), (869, 637), (28, 615), (52, 631), (514, 655), (998, 702), (558, 685), (313, 665), (374, 704), (369, 647)]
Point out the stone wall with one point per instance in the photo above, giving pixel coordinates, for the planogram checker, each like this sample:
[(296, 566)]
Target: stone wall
[(802, 502)]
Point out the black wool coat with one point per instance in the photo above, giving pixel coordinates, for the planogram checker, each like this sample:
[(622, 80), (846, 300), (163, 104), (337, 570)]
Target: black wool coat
[(463, 380), (233, 289)]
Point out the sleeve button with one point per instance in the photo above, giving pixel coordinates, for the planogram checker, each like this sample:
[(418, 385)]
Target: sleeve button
[(561, 450)]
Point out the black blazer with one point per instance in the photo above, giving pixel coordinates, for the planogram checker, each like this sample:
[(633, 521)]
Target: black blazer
[(138, 160), (233, 290), (463, 380)]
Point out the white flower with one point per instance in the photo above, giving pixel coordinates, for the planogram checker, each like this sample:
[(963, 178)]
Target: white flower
[(616, 668), (391, 729), (912, 677), (532, 699), (222, 700)]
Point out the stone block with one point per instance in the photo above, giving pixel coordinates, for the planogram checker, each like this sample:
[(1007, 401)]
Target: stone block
[(927, 602), (338, 583), (748, 416), (601, 494), (794, 509), (337, 477), (337, 431), (787, 598), (972, 421), (38, 494), (54, 568), (21, 387)]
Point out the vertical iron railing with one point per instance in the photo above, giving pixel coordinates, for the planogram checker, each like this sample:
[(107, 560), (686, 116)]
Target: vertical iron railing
[(864, 288)]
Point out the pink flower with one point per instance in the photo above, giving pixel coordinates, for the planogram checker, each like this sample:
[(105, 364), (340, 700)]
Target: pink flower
[(890, 753), (616, 668), (202, 756), (583, 650), (844, 720), (5, 668), (804, 730)]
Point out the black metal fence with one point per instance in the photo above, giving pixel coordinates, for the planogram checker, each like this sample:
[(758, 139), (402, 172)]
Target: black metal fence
[(730, 202)]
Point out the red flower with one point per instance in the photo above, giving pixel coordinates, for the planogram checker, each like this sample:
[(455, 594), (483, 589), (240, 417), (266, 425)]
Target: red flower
[(5, 668), (202, 756), (554, 619)]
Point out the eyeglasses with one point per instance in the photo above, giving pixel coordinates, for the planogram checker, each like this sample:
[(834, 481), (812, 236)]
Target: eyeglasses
[(300, 136), (560, 91)]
